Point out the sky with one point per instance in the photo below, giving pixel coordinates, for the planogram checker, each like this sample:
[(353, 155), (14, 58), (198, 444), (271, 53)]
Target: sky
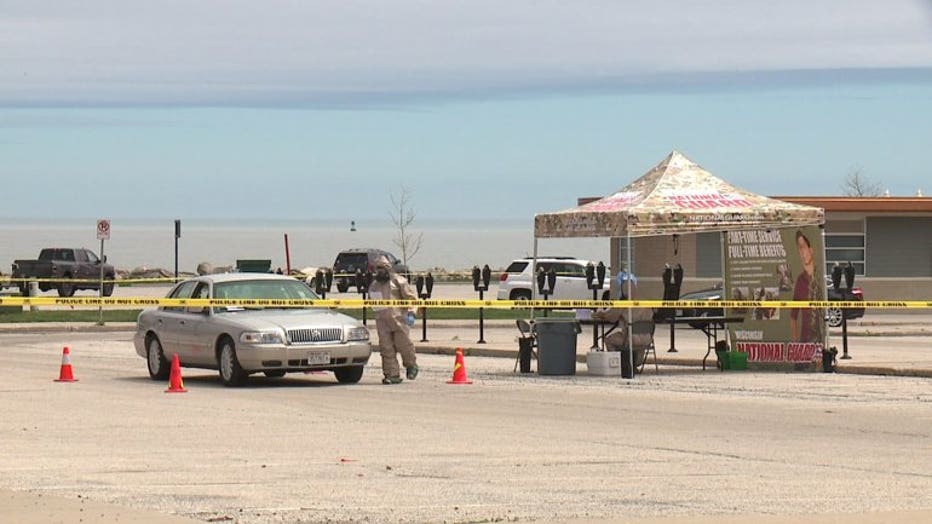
[(313, 110)]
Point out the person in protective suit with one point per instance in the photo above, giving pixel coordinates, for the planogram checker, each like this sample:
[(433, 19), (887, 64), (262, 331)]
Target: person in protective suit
[(393, 324)]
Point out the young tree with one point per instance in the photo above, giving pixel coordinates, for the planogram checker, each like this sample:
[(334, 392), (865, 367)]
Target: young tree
[(403, 217), (857, 184)]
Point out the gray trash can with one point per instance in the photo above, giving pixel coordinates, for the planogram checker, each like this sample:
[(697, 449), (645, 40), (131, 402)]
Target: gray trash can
[(556, 345)]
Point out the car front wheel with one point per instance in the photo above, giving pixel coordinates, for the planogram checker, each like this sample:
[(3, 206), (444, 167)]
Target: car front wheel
[(158, 366), (348, 375), (108, 287), (700, 314), (520, 294), (66, 289), (230, 371), (833, 316)]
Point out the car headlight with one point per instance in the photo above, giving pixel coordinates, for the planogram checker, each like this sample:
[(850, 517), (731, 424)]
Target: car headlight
[(357, 333), (262, 337)]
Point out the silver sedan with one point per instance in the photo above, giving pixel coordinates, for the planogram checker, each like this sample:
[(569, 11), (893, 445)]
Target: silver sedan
[(239, 341)]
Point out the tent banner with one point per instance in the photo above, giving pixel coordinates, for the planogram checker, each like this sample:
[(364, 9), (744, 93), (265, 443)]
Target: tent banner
[(776, 265)]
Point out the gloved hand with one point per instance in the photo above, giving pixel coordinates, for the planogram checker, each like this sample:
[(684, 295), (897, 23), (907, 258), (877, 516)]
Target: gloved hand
[(409, 320)]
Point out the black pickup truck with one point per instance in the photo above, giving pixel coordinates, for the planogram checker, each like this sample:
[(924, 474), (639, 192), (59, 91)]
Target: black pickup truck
[(64, 263)]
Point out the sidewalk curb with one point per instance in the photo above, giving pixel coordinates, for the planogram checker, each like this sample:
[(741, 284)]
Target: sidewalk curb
[(79, 328), (675, 361), (471, 350), (884, 371)]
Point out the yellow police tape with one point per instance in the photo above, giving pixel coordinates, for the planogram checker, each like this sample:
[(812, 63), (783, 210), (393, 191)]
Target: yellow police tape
[(151, 280), (148, 280), (455, 303)]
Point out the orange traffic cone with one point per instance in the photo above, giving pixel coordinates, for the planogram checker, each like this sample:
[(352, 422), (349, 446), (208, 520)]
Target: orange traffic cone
[(175, 384), (459, 370), (66, 374)]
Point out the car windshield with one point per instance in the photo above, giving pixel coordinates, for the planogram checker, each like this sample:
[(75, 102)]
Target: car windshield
[(352, 259), (516, 267), (263, 289)]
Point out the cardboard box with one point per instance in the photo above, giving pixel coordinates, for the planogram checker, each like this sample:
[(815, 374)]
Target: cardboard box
[(604, 363)]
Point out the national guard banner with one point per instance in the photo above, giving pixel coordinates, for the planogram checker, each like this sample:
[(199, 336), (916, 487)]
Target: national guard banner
[(776, 265)]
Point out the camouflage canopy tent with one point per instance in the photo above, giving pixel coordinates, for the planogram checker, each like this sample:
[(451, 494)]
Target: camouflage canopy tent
[(677, 196)]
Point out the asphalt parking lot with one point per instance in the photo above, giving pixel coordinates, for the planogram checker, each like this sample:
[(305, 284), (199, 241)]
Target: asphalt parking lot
[(507, 448)]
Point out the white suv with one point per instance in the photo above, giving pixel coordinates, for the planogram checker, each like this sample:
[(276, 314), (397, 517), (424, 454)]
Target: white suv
[(516, 281)]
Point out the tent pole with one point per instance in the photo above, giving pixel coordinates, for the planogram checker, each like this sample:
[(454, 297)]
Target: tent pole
[(721, 242), (630, 309), (825, 291)]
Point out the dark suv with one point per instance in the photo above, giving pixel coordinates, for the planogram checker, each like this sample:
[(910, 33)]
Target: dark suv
[(348, 261)]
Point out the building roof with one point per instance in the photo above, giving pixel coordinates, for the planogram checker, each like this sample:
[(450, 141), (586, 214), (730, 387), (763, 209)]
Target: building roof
[(864, 204)]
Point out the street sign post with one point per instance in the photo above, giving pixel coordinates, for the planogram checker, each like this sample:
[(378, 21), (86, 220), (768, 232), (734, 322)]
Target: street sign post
[(103, 233), (177, 236), (103, 229)]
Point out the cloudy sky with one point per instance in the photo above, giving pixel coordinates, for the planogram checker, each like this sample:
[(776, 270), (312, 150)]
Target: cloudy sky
[(496, 109)]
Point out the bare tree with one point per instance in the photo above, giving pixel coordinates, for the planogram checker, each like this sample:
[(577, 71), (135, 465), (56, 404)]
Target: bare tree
[(857, 184), (403, 217)]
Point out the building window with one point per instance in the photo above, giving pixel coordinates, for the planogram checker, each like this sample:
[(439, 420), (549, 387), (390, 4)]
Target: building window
[(843, 248)]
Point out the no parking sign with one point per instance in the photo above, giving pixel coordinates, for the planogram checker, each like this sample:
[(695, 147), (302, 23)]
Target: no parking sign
[(103, 229)]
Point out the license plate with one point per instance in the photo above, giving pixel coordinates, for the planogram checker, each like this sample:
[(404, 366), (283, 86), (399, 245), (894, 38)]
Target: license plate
[(318, 358)]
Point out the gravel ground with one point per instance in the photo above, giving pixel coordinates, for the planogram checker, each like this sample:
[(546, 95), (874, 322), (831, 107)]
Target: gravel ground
[(509, 447)]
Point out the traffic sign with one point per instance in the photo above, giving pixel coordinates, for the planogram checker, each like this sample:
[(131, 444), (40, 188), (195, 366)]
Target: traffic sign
[(103, 229)]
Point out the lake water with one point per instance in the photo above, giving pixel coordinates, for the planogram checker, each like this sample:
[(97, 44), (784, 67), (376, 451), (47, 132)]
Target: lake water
[(451, 245)]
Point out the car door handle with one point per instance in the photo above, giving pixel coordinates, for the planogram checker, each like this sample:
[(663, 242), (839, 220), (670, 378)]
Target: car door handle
[(181, 322)]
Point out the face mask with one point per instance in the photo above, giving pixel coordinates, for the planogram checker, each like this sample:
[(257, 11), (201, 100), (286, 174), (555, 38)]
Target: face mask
[(381, 275)]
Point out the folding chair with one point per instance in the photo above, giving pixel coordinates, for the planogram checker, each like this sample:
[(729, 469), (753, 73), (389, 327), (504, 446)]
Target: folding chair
[(527, 342), (644, 342), (608, 331)]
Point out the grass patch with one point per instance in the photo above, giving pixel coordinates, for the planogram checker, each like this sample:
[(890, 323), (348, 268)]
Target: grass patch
[(15, 314), (82, 315), (473, 314)]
